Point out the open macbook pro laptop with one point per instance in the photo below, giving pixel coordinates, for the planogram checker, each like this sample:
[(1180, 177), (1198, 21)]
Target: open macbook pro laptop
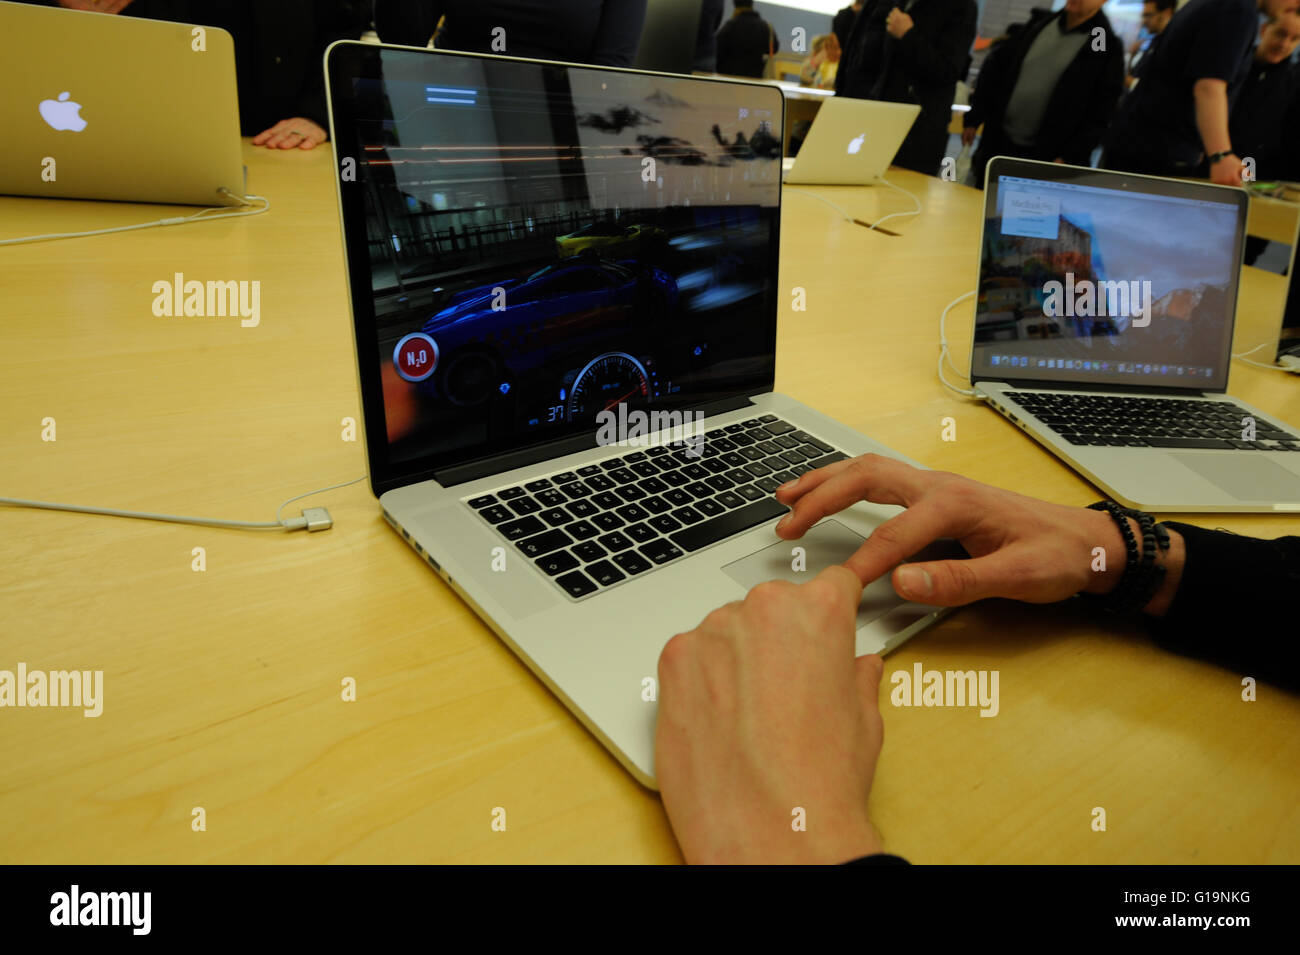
[(115, 107), (1103, 328), (851, 142), (543, 258)]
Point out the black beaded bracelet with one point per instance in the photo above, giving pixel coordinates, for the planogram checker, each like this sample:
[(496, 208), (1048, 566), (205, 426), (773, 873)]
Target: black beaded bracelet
[(1142, 576)]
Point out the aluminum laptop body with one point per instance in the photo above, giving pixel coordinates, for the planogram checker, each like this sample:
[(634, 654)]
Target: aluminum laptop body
[(1103, 329), (530, 248), (851, 142), (99, 106)]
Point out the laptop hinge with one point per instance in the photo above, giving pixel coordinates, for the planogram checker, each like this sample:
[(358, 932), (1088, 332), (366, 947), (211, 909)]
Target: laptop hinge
[(510, 460)]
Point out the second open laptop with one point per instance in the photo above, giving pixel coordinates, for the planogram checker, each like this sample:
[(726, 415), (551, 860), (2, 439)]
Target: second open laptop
[(564, 292), (1103, 329), (99, 106), (851, 142)]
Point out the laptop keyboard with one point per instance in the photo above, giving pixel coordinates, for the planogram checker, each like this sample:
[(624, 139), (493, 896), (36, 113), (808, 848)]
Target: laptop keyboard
[(1140, 422), (623, 517)]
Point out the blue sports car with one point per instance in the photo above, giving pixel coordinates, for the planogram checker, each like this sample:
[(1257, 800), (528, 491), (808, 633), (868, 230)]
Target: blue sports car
[(492, 333)]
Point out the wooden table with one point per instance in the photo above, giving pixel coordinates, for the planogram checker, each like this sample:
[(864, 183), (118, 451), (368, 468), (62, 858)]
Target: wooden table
[(222, 686)]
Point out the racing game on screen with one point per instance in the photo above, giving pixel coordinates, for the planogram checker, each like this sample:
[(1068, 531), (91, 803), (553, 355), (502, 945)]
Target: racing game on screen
[(548, 242)]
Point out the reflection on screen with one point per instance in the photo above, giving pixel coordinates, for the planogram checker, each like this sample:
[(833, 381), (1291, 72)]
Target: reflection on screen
[(549, 242), (1085, 283)]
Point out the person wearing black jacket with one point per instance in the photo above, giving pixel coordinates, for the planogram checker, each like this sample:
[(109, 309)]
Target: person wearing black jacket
[(278, 49), (745, 41), (599, 32), (1050, 90), (764, 707), (911, 51), (842, 22)]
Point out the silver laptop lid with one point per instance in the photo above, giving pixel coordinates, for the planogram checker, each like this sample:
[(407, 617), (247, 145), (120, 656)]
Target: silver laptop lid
[(1106, 279), (530, 244), (117, 107)]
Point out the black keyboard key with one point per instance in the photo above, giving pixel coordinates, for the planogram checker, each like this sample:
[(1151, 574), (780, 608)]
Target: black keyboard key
[(550, 498), (751, 454), (514, 530), (656, 451), (631, 493), (723, 444), (751, 423), (767, 484), (709, 508), (583, 508), (828, 459), (675, 478), (757, 469), (496, 514), (656, 505), (677, 497), (484, 501), (796, 457), (598, 482), (785, 441), (525, 505), (582, 530), (607, 500), (622, 475), (605, 573), (781, 477), (729, 524), (733, 428), (634, 456), (611, 464), (660, 551), (556, 516), (589, 470), (807, 438), (575, 489), (664, 523), (510, 492), (767, 417), (715, 466), (688, 515), (749, 492), (652, 485), (741, 440), (641, 533), (733, 459), (698, 490), (769, 447), (632, 512), (608, 521), (544, 543), (778, 427), (537, 485), (616, 541), (556, 563), (564, 477), (589, 551), (576, 584), (632, 562), (729, 499), (645, 469), (695, 471), (719, 482)]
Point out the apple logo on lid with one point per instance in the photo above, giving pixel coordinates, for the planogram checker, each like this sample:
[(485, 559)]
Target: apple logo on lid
[(856, 143), (62, 113)]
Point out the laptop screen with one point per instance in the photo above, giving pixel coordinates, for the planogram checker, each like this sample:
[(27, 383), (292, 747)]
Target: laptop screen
[(1106, 279), (531, 244)]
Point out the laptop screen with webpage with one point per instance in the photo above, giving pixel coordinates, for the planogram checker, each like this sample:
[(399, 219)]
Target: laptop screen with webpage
[(531, 244), (1106, 279)]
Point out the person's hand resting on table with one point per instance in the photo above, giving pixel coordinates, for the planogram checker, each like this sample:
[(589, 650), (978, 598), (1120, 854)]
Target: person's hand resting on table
[(293, 133)]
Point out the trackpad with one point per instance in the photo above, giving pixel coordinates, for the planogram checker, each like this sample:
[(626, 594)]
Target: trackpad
[(1245, 476), (830, 542)]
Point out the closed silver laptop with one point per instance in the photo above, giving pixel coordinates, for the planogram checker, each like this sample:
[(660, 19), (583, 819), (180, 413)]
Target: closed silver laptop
[(851, 142)]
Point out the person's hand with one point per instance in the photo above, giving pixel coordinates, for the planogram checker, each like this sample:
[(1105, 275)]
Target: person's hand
[(1020, 548), (967, 135), (764, 710), (1227, 171), (96, 6), (898, 23), (291, 133)]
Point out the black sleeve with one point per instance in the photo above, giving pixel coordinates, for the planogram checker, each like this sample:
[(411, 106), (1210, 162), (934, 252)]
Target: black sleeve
[(993, 78), (619, 33), (1224, 33), (1236, 604), (1102, 98), (945, 60), (408, 22), (880, 858)]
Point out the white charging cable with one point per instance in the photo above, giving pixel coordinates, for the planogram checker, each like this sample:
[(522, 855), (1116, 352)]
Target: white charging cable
[(222, 212), (945, 355), (312, 518)]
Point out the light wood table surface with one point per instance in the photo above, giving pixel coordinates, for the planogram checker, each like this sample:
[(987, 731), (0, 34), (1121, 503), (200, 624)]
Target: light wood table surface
[(222, 687)]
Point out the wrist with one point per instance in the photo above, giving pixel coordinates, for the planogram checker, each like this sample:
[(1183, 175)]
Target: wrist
[(1106, 572)]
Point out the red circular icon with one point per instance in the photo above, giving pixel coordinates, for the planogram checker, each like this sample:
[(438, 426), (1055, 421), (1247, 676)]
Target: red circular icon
[(415, 356)]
